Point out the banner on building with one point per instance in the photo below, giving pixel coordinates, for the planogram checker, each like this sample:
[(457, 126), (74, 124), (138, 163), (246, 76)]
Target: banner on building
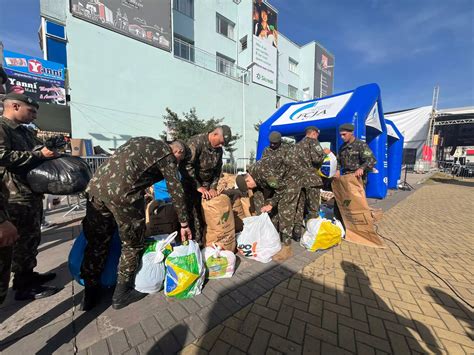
[(324, 72), (148, 21), (40, 79), (265, 44)]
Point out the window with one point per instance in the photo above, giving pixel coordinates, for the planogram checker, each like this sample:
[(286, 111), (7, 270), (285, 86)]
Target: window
[(243, 43), (186, 7), (293, 65), (224, 64), (292, 92), (183, 48), (224, 26), (306, 95)]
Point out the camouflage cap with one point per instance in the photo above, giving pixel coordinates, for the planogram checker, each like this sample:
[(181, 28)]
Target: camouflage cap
[(21, 97), (227, 133), (347, 127), (275, 137), (311, 128), (241, 184)]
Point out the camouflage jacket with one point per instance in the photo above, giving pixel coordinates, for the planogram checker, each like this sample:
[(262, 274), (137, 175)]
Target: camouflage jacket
[(355, 155), (271, 181), (205, 164), (3, 202), (306, 158), (136, 165), (17, 158), (278, 155)]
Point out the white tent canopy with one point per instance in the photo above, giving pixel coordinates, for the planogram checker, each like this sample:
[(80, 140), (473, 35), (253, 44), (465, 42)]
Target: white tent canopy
[(413, 125)]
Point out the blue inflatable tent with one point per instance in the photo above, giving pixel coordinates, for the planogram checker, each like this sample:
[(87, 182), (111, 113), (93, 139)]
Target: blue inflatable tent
[(361, 107), (395, 154)]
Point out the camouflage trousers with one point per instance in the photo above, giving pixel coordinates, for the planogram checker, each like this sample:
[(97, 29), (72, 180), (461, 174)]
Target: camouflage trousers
[(312, 198), (258, 202), (21, 257), (99, 226), (291, 211), (194, 209)]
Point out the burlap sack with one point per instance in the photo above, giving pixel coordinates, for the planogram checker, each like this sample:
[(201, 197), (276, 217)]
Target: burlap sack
[(247, 205), (226, 182), (219, 219), (358, 220), (377, 214)]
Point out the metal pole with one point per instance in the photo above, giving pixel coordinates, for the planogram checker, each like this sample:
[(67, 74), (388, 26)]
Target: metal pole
[(244, 135)]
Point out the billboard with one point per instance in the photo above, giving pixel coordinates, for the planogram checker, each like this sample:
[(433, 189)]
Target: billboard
[(40, 79), (265, 44), (148, 21), (324, 72)]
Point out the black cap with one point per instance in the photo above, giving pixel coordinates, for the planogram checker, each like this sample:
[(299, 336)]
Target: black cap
[(311, 128), (227, 133), (21, 97), (241, 184), (347, 127), (275, 137)]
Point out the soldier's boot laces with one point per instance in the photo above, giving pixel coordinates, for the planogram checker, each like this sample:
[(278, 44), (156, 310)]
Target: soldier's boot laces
[(125, 294), (91, 298)]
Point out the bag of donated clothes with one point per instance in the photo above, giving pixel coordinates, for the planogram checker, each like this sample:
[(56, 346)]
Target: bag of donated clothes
[(185, 271), (108, 278), (259, 240), (321, 234), (151, 275), (219, 263)]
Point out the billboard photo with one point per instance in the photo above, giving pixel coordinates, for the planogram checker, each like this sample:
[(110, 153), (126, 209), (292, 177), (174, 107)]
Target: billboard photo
[(265, 44), (324, 72), (40, 79), (148, 21)]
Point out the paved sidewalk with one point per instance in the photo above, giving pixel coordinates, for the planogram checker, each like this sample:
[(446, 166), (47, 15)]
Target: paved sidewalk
[(302, 304)]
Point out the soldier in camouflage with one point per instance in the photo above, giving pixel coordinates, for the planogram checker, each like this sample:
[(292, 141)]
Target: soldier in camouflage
[(201, 172), (306, 158), (354, 156), (8, 236), (277, 192), (115, 195), (18, 155), (277, 148)]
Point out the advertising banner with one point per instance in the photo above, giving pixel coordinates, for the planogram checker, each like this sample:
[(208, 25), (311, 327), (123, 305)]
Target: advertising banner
[(148, 21), (40, 79), (265, 44), (318, 110), (324, 72)]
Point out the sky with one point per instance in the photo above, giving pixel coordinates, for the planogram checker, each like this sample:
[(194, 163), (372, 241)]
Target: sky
[(405, 46)]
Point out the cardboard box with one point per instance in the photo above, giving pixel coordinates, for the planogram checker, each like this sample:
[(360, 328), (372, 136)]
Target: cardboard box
[(81, 147)]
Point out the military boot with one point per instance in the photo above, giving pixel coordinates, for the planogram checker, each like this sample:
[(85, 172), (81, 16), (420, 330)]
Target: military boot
[(285, 239), (125, 294), (31, 279), (90, 298)]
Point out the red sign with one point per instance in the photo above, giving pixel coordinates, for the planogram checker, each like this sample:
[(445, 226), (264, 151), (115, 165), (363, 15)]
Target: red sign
[(35, 66)]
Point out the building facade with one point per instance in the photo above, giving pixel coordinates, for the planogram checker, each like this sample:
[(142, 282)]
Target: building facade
[(128, 60)]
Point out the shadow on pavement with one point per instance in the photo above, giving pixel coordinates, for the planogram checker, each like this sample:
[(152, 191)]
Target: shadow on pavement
[(453, 181), (454, 307), (356, 283)]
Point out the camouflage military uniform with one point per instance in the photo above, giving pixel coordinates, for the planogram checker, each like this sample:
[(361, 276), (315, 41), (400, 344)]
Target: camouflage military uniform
[(277, 187), (24, 207), (115, 195), (355, 155), (306, 157), (5, 252), (279, 153), (202, 169)]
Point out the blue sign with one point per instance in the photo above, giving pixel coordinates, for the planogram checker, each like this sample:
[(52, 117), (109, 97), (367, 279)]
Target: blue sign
[(40, 79)]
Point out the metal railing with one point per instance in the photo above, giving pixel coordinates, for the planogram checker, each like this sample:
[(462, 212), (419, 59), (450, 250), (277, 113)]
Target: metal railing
[(456, 169), (95, 162), (199, 57), (291, 92)]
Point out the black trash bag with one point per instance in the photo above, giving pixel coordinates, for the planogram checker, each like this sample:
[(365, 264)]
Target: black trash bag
[(66, 175)]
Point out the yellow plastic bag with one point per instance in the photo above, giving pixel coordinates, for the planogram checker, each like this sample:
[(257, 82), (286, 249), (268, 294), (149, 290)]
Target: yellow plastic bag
[(322, 234)]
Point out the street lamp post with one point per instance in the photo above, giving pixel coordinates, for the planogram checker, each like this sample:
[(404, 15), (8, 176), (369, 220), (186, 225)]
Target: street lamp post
[(321, 79), (244, 123)]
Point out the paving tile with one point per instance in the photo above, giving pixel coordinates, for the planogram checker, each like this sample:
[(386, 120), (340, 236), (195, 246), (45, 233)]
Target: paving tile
[(118, 343), (259, 342), (135, 334), (150, 326), (99, 348)]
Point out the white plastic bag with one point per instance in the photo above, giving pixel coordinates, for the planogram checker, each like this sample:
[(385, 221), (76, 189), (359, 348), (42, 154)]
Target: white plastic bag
[(185, 271), (321, 234), (151, 275), (219, 263), (259, 240)]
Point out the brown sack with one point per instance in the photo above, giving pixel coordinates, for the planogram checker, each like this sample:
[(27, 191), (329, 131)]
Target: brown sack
[(377, 214), (247, 205), (226, 182), (239, 215), (219, 219), (358, 220)]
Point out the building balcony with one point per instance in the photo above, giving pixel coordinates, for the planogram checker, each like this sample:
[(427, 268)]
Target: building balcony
[(291, 92)]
